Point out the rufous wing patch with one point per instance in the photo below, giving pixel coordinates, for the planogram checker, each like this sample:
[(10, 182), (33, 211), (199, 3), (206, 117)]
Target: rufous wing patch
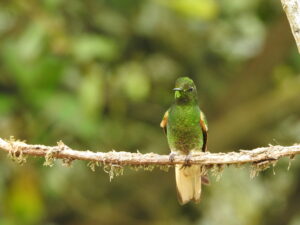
[(163, 123)]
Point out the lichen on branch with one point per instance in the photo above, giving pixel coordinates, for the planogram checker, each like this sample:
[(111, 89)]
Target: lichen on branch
[(292, 10), (113, 161)]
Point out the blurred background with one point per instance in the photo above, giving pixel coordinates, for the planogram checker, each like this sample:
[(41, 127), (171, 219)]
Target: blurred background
[(98, 74)]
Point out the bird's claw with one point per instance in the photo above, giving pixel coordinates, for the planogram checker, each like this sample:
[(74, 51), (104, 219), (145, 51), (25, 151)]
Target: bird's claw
[(172, 156), (187, 161)]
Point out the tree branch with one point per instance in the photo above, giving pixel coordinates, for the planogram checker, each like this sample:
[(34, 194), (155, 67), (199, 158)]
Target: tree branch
[(292, 10), (61, 151)]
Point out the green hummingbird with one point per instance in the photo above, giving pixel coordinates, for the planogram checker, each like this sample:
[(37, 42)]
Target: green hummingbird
[(186, 129)]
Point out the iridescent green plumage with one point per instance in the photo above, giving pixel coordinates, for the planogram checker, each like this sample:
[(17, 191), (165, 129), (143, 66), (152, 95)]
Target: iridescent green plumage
[(184, 123), (186, 129)]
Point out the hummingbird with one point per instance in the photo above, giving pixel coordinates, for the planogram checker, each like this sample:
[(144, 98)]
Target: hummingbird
[(186, 129)]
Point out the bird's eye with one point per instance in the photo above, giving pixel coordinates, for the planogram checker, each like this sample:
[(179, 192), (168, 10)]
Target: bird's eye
[(190, 89)]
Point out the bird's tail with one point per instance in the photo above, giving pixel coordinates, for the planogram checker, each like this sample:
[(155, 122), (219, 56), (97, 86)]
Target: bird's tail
[(188, 182)]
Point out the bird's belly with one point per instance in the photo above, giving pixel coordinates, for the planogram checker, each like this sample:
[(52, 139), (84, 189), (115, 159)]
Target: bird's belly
[(185, 139)]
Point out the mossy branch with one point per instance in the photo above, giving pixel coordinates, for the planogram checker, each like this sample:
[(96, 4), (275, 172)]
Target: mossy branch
[(261, 156), (292, 10)]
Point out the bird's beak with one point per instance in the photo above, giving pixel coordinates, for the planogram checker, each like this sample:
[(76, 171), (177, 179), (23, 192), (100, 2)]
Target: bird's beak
[(177, 89)]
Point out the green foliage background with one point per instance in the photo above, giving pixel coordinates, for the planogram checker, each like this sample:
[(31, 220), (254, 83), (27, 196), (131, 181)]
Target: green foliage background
[(98, 75)]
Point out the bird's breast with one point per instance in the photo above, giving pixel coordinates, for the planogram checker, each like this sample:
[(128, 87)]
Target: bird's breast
[(184, 130)]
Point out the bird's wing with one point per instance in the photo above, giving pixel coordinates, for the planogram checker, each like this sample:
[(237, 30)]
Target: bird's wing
[(163, 123), (204, 127)]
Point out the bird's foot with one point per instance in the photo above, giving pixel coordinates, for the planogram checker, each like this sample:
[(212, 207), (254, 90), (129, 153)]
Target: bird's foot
[(172, 156), (187, 161)]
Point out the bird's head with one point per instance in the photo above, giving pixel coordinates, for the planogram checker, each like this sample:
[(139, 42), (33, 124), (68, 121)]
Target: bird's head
[(185, 90)]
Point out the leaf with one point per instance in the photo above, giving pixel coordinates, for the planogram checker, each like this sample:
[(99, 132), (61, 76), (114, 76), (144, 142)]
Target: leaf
[(88, 47)]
